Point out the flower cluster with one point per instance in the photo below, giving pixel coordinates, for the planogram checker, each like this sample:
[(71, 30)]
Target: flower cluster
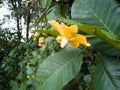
[(41, 39)]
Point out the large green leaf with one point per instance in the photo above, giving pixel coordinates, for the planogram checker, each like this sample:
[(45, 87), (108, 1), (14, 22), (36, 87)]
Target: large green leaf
[(58, 69), (102, 13), (54, 13), (104, 16), (45, 3), (107, 76), (102, 47)]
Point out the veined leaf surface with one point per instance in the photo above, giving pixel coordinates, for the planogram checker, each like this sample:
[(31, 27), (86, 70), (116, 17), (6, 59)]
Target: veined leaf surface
[(107, 76), (58, 69), (102, 13)]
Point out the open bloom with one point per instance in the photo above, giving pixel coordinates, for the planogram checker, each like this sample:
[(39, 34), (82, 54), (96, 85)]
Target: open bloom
[(69, 35)]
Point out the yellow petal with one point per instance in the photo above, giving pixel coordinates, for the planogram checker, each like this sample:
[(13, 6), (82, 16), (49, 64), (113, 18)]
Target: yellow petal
[(82, 40), (78, 39), (64, 30), (74, 44), (67, 31), (57, 26), (59, 39), (73, 28), (74, 40)]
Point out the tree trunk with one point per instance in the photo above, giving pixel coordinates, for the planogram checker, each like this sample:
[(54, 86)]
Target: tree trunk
[(15, 8), (28, 24), (18, 28)]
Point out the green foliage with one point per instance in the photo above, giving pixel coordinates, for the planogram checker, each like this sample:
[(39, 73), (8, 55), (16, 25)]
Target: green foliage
[(47, 32), (30, 67), (7, 39), (7, 42), (54, 13), (45, 3), (10, 65), (58, 69), (106, 76), (20, 66), (107, 73), (95, 15), (92, 13), (54, 10)]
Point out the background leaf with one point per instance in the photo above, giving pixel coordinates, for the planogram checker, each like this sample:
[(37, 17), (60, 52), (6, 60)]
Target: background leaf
[(102, 47), (58, 69), (107, 76), (105, 17), (45, 3), (101, 13), (54, 13), (41, 18)]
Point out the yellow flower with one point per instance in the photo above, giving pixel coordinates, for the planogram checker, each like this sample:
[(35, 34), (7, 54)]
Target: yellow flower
[(69, 35), (36, 34), (41, 41), (41, 44), (27, 4), (28, 76)]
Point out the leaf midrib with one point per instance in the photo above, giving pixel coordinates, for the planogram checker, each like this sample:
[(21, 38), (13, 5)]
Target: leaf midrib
[(106, 74), (97, 17), (59, 70)]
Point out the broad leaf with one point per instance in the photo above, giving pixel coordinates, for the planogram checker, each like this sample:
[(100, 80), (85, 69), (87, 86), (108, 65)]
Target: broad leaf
[(102, 13), (102, 47), (107, 76), (105, 17), (58, 69), (45, 3), (54, 13)]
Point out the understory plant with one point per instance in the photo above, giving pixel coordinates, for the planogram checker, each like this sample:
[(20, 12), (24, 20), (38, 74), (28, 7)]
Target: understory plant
[(90, 42), (75, 46)]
